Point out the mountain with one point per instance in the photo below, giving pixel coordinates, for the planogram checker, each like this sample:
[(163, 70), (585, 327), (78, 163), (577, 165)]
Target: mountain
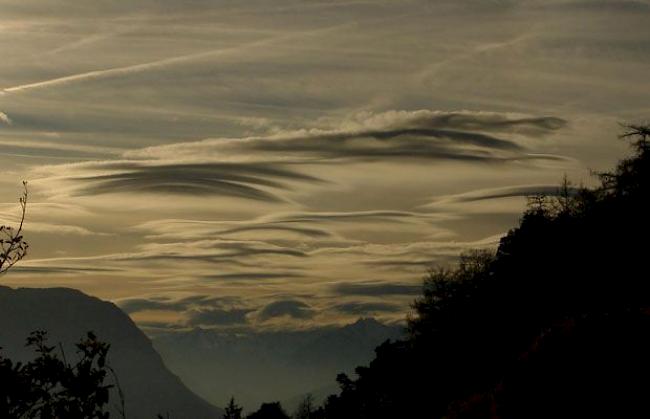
[(268, 366), (67, 314)]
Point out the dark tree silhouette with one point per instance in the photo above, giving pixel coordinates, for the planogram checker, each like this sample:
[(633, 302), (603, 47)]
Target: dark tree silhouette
[(269, 411), (233, 411), (50, 387), (13, 247), (306, 409), (553, 324)]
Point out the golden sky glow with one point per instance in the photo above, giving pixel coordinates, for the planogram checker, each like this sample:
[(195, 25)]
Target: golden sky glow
[(257, 164)]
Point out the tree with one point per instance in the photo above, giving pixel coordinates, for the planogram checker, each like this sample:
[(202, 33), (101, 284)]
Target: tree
[(13, 247), (305, 409), (269, 411), (49, 387), (233, 411), (555, 323)]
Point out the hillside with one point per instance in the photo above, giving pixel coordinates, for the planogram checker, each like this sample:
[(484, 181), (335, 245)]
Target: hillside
[(554, 323), (66, 314)]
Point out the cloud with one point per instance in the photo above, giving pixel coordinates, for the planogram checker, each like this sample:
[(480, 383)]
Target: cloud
[(135, 305), (4, 119), (250, 276), (182, 103), (488, 204), (418, 264), (234, 180), (106, 73), (291, 308), (312, 225), (25, 147), (117, 72), (218, 317), (263, 168), (51, 228), (58, 270), (194, 302), (347, 216), (234, 261), (468, 121), (153, 328), (376, 289), (502, 192), (362, 309), (215, 250), (606, 6), (424, 134), (303, 231), (61, 229)]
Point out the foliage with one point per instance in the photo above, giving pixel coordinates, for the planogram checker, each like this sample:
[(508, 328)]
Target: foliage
[(50, 387), (570, 280)]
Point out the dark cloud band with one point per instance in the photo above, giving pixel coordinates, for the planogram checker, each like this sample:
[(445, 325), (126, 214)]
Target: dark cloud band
[(376, 289), (291, 308), (234, 180)]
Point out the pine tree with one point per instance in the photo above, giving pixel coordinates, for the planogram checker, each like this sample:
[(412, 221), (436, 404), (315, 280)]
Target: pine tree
[(233, 411)]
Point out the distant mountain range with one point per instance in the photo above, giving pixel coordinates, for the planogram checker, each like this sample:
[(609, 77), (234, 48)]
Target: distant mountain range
[(270, 366), (66, 314), (253, 367)]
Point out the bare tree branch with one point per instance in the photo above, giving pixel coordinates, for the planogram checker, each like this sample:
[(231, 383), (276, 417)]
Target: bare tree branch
[(13, 247)]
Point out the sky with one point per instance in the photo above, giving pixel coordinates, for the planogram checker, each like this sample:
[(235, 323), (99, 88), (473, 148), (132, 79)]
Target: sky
[(290, 164)]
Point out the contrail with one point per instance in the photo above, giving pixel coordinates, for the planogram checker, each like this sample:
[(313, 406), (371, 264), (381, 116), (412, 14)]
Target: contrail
[(430, 71), (136, 68), (87, 41)]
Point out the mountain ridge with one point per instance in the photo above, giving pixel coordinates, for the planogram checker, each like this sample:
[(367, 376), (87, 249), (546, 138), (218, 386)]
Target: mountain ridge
[(67, 314)]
